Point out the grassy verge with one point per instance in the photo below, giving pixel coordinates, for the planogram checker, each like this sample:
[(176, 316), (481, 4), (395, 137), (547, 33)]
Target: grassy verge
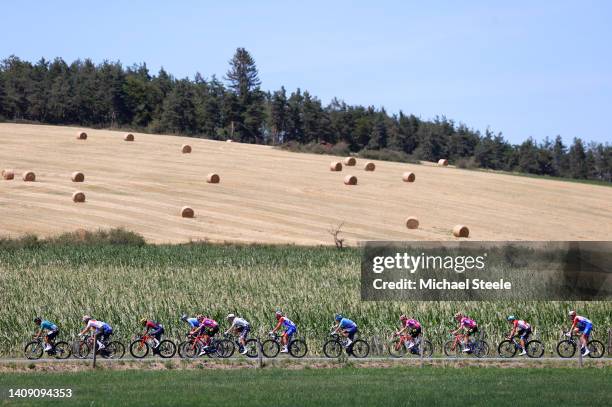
[(324, 387)]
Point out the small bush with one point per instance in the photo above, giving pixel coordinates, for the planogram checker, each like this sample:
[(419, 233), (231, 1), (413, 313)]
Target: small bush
[(29, 241), (467, 163), (118, 237)]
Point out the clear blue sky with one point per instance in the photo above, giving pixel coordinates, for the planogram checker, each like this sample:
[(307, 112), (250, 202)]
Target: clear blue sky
[(526, 68)]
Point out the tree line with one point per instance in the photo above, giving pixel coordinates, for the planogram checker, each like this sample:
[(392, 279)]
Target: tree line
[(111, 95)]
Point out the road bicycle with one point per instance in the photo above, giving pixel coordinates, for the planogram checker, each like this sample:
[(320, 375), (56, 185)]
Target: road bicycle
[(333, 347), (398, 346), (36, 348), (566, 347), (271, 347), (111, 350), (508, 348), (217, 348), (142, 344), (476, 347), (233, 343)]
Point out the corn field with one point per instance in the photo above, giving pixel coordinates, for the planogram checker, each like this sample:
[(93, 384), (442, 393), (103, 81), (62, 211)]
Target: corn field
[(121, 283)]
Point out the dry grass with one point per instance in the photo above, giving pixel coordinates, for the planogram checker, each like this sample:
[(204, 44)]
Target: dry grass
[(269, 195)]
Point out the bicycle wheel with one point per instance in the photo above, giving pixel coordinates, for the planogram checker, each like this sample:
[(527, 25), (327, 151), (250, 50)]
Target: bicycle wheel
[(481, 349), (139, 349), (396, 348), (114, 350), (225, 348), (427, 348), (62, 350), (452, 349), (298, 348), (191, 350), (506, 349), (596, 349), (359, 349), (82, 350), (332, 349), (33, 350), (252, 348), (166, 349), (535, 349), (270, 348), (566, 348)]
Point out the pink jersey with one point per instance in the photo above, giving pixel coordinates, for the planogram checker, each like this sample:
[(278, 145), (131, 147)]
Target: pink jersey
[(520, 324), (468, 323), (412, 323), (209, 323)]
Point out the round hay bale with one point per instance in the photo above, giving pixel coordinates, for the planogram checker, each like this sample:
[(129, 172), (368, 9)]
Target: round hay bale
[(81, 135), (442, 162), (187, 212), (412, 222), (350, 180), (128, 137), (369, 166), (350, 161), (408, 177), (229, 141), (78, 176), (29, 176), (335, 166), (186, 149), (8, 174), (461, 231), (78, 196), (213, 178)]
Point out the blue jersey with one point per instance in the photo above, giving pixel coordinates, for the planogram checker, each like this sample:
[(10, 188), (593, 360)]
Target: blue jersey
[(346, 323), (193, 322), (287, 323), (48, 325)]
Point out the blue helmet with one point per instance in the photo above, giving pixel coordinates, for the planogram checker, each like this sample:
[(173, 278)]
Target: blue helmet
[(338, 317)]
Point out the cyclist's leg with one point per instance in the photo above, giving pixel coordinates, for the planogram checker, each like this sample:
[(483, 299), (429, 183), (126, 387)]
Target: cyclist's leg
[(49, 339)]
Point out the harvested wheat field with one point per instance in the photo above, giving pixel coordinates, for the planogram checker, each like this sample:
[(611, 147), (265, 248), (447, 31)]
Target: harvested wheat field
[(268, 195)]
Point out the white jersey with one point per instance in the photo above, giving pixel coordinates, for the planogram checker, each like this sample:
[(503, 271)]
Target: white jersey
[(239, 323), (95, 324)]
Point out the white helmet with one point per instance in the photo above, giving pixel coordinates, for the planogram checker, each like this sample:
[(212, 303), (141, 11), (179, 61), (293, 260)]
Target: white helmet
[(86, 318), (572, 313), (231, 316)]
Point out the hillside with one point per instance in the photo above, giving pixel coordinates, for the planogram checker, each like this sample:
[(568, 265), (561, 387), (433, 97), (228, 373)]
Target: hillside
[(268, 195)]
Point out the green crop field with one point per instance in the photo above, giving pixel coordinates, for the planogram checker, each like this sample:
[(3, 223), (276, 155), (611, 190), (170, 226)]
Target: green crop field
[(323, 387), (123, 280)]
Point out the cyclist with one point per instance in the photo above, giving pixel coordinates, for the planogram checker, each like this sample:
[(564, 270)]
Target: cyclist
[(522, 328), (346, 327), (469, 326), (102, 330), (411, 328), (239, 326), (582, 326), (193, 322), (208, 329), (290, 329), (155, 329), (50, 327)]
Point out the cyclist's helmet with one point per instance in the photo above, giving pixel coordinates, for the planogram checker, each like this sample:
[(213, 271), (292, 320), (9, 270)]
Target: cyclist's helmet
[(572, 314), (86, 318), (37, 320), (200, 318), (278, 314), (403, 318), (458, 316), (143, 321), (338, 317), (184, 317), (231, 316), (510, 318)]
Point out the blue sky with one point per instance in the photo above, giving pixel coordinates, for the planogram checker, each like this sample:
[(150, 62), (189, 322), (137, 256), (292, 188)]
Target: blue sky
[(526, 68)]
